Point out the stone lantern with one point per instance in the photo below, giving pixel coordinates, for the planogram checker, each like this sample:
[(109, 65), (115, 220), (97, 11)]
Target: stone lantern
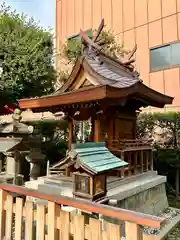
[(13, 142), (35, 157)]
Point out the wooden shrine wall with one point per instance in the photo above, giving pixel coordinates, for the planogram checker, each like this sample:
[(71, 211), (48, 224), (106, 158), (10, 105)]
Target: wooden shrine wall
[(122, 126)]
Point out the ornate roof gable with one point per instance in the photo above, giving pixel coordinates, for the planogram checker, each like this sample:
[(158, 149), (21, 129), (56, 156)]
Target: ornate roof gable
[(116, 72)]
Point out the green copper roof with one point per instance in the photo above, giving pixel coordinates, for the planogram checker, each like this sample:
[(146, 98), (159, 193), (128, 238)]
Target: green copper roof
[(96, 157)]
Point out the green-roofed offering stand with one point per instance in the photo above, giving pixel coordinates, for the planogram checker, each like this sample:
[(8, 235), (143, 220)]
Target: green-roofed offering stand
[(96, 158), (93, 161)]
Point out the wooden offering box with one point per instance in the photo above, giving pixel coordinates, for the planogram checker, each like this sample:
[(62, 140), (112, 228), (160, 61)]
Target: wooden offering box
[(89, 187), (93, 161)]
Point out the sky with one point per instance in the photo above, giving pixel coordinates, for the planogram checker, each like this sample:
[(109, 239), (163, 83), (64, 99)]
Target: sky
[(40, 10)]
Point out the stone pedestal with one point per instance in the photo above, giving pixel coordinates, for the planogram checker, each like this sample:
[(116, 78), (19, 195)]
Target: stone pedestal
[(35, 158), (12, 175), (11, 164), (1, 161)]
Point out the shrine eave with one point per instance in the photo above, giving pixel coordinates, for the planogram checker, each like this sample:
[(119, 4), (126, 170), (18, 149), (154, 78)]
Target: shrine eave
[(139, 91)]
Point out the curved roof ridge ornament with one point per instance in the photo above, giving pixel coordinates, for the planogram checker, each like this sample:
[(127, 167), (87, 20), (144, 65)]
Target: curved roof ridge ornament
[(100, 28), (94, 44), (91, 43), (88, 42)]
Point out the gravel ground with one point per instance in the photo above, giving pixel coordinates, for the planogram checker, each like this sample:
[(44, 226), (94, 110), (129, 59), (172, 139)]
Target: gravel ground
[(169, 214), (175, 234)]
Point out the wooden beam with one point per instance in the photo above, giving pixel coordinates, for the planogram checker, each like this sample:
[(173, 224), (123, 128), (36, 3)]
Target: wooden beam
[(70, 133), (88, 94)]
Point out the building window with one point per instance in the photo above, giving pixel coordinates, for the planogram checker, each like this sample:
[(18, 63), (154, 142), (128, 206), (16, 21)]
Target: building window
[(165, 56), (74, 44)]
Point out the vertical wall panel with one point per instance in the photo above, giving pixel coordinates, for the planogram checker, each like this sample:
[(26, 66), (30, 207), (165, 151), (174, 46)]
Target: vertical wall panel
[(70, 17), (155, 33), (178, 25), (128, 14), (142, 54), (178, 5), (58, 23), (107, 12), (154, 10), (87, 14), (64, 19), (157, 81), (172, 88), (170, 29), (117, 21), (97, 13), (168, 7), (129, 39), (140, 12), (78, 15)]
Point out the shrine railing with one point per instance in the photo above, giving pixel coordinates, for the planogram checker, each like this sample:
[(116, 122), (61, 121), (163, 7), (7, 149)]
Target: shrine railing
[(21, 218), (131, 144), (137, 152)]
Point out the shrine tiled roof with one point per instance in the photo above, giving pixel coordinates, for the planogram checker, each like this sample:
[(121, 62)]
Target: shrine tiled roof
[(111, 75), (96, 157)]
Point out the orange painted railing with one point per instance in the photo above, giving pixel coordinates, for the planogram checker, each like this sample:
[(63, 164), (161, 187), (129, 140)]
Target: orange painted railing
[(20, 218)]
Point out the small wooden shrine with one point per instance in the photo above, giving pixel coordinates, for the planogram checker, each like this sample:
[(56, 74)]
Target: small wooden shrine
[(90, 164), (108, 92)]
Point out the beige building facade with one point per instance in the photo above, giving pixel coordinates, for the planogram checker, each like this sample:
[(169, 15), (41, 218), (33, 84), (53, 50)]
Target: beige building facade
[(154, 25)]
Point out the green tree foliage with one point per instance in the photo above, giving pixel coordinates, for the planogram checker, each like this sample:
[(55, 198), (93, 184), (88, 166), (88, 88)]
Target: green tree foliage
[(169, 122), (54, 139), (25, 57), (167, 154)]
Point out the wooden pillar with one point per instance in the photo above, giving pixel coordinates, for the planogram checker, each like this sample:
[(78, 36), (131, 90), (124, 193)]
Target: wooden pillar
[(92, 129), (1, 161), (130, 164), (97, 131), (122, 169), (151, 160), (111, 133), (68, 172), (147, 160), (70, 133), (142, 161), (135, 162)]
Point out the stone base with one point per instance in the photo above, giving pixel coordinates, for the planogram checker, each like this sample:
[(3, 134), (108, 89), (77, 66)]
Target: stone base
[(144, 193), (9, 178), (45, 185), (151, 201)]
